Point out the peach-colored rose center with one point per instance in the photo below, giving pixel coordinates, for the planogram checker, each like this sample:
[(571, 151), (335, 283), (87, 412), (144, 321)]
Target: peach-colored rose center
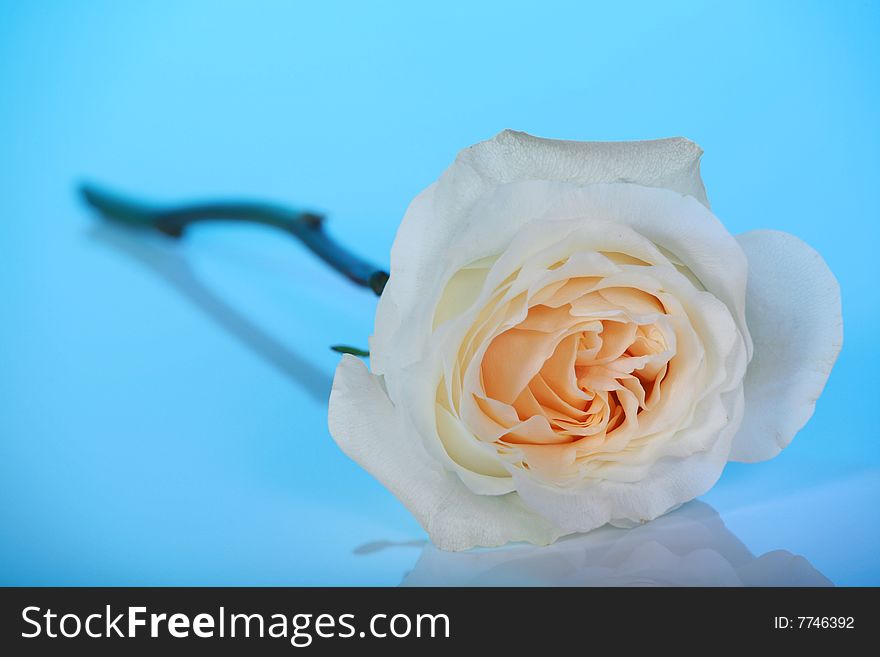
[(579, 369)]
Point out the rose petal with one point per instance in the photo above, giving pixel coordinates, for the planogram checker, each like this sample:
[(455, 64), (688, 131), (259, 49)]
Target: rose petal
[(369, 430), (794, 316), (510, 156), (667, 484)]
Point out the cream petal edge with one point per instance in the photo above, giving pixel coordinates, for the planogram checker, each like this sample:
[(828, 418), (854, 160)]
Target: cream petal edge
[(672, 163), (367, 427), (793, 311)]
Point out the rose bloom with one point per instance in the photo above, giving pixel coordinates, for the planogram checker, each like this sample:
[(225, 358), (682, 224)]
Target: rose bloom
[(570, 337)]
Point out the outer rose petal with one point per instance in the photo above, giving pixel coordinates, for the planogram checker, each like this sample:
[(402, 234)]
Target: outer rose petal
[(510, 156), (794, 316), (366, 426), (441, 213)]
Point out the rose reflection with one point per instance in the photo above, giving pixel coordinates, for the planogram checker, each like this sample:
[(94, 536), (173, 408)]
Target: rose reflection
[(689, 547)]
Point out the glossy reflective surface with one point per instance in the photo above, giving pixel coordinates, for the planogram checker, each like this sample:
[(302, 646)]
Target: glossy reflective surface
[(688, 547), (163, 404)]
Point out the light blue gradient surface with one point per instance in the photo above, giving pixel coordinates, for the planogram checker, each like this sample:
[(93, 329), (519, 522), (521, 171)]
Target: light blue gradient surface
[(163, 407)]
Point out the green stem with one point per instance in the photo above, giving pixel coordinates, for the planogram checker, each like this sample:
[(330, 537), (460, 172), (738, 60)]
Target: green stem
[(307, 227)]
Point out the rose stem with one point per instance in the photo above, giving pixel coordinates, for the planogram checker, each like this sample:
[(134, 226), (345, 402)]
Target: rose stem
[(307, 227)]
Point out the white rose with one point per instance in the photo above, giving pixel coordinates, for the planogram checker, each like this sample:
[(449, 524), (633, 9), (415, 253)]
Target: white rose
[(570, 338)]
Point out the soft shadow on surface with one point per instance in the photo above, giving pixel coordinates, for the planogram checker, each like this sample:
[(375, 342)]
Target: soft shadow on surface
[(160, 256), (688, 547)]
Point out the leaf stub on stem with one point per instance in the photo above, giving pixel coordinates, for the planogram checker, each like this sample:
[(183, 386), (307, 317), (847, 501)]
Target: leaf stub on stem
[(354, 351)]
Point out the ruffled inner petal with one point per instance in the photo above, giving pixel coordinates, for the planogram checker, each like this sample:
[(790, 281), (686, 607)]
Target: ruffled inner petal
[(574, 374)]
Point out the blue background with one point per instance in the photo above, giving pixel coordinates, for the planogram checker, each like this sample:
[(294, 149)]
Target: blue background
[(163, 407)]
